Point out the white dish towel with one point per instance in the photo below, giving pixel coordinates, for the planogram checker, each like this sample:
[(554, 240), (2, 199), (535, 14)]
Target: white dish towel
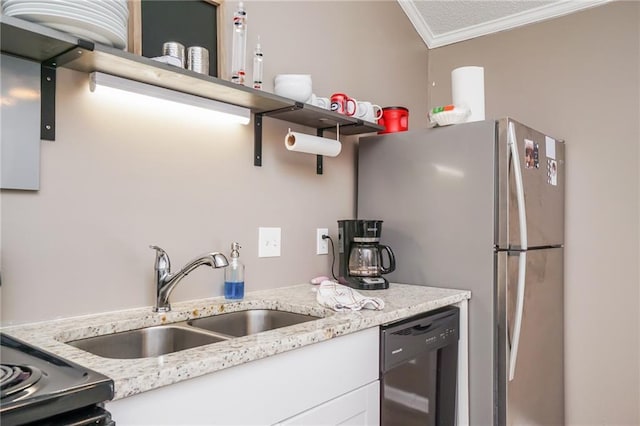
[(339, 297)]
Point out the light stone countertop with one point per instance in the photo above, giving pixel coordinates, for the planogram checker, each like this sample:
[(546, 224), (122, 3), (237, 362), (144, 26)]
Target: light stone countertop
[(133, 376)]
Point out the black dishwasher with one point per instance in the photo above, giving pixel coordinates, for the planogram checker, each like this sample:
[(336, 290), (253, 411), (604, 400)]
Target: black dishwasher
[(419, 369)]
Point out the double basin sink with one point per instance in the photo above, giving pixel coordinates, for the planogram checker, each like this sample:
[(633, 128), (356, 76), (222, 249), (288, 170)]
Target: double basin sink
[(164, 339)]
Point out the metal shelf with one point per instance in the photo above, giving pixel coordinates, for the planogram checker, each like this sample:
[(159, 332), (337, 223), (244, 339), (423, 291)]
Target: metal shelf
[(319, 118), (32, 41), (53, 49)]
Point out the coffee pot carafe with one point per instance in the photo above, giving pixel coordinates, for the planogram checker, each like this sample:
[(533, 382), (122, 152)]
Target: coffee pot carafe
[(365, 260), (361, 255)]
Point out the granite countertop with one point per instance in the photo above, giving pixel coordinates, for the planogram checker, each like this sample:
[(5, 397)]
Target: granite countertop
[(133, 376)]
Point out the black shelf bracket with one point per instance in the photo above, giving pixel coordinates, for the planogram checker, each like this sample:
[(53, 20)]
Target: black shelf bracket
[(319, 161), (48, 87), (47, 102), (257, 139), (257, 130)]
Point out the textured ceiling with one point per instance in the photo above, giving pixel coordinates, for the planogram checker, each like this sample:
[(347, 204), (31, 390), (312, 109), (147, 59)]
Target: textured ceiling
[(442, 22), (447, 16)]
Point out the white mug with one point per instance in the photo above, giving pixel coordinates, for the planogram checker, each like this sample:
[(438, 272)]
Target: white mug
[(320, 102), (367, 111)]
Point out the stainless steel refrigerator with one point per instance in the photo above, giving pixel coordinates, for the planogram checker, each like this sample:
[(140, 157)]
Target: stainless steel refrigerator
[(480, 206)]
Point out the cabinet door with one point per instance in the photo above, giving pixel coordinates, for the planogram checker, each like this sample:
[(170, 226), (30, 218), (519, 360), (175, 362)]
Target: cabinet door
[(20, 129), (360, 407), (260, 392)]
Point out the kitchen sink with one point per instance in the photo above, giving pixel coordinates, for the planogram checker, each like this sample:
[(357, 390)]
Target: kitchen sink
[(243, 323), (164, 339), (145, 342)]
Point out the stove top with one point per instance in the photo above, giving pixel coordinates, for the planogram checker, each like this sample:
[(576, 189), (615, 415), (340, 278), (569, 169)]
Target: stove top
[(16, 378), (37, 385)]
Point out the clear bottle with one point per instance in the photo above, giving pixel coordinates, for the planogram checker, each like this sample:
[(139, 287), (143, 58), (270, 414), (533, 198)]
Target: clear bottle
[(234, 275), (239, 47), (258, 58)]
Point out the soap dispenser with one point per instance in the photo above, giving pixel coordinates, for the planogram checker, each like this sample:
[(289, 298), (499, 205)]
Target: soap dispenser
[(234, 275)]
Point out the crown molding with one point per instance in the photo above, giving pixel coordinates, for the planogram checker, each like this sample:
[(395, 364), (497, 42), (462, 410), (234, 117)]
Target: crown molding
[(554, 10)]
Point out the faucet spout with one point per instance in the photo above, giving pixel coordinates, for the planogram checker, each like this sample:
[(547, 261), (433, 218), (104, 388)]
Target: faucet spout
[(166, 281)]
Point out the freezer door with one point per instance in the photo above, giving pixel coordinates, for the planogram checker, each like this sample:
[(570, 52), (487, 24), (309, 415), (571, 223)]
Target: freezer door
[(434, 190), (535, 395), (542, 165)]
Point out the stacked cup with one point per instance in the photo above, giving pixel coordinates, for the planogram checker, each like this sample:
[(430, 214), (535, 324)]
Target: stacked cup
[(198, 59), (175, 50)]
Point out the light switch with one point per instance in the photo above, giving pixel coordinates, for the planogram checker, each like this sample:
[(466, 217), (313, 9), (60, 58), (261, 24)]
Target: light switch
[(268, 242)]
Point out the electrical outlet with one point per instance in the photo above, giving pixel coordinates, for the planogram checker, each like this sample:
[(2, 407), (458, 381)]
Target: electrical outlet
[(322, 245), (269, 242)]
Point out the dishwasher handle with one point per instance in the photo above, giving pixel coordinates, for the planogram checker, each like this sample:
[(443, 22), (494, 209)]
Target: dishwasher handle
[(424, 327), (417, 326)]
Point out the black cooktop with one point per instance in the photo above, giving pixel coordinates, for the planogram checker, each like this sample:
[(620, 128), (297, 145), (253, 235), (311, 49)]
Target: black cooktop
[(37, 385)]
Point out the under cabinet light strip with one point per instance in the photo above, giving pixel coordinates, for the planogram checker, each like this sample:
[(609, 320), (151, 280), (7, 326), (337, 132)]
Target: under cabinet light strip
[(231, 112)]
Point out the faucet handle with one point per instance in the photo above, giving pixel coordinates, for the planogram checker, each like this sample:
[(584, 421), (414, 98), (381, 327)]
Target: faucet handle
[(163, 263)]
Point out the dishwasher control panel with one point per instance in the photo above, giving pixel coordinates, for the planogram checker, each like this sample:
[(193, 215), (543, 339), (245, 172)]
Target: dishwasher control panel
[(443, 336)]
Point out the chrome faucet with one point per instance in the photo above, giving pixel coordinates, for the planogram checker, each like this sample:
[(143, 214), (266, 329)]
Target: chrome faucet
[(166, 281)]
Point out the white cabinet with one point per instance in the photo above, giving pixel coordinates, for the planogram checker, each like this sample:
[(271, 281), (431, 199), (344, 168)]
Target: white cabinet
[(269, 390), (360, 407), (329, 383), (20, 129)]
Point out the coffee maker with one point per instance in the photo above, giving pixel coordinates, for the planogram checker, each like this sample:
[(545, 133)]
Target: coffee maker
[(360, 255)]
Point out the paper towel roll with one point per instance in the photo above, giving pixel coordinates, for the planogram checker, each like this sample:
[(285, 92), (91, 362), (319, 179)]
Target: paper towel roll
[(467, 90), (300, 142)]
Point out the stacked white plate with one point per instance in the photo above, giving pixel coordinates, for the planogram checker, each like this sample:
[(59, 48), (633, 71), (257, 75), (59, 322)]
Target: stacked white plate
[(100, 21)]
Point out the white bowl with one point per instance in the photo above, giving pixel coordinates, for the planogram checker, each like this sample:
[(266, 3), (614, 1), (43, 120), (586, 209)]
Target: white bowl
[(282, 78), (298, 91), (293, 84)]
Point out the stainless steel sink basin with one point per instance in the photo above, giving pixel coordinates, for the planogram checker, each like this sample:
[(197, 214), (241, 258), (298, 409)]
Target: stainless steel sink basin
[(164, 339), (243, 323), (145, 342)]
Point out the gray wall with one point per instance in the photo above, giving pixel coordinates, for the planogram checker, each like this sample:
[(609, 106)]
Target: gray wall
[(122, 176), (577, 78), (125, 173)]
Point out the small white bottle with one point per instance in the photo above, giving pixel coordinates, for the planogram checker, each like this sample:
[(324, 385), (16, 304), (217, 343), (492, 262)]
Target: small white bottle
[(239, 47), (234, 275), (258, 58)]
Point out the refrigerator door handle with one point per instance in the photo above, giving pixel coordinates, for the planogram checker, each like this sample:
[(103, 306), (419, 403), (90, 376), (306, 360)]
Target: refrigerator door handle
[(517, 174), (522, 261), (517, 324)]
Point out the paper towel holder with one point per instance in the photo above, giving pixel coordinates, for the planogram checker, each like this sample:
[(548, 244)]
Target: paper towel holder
[(319, 157), (257, 133), (310, 116)]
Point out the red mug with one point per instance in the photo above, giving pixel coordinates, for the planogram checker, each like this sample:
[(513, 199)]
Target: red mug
[(340, 104), (394, 119)]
